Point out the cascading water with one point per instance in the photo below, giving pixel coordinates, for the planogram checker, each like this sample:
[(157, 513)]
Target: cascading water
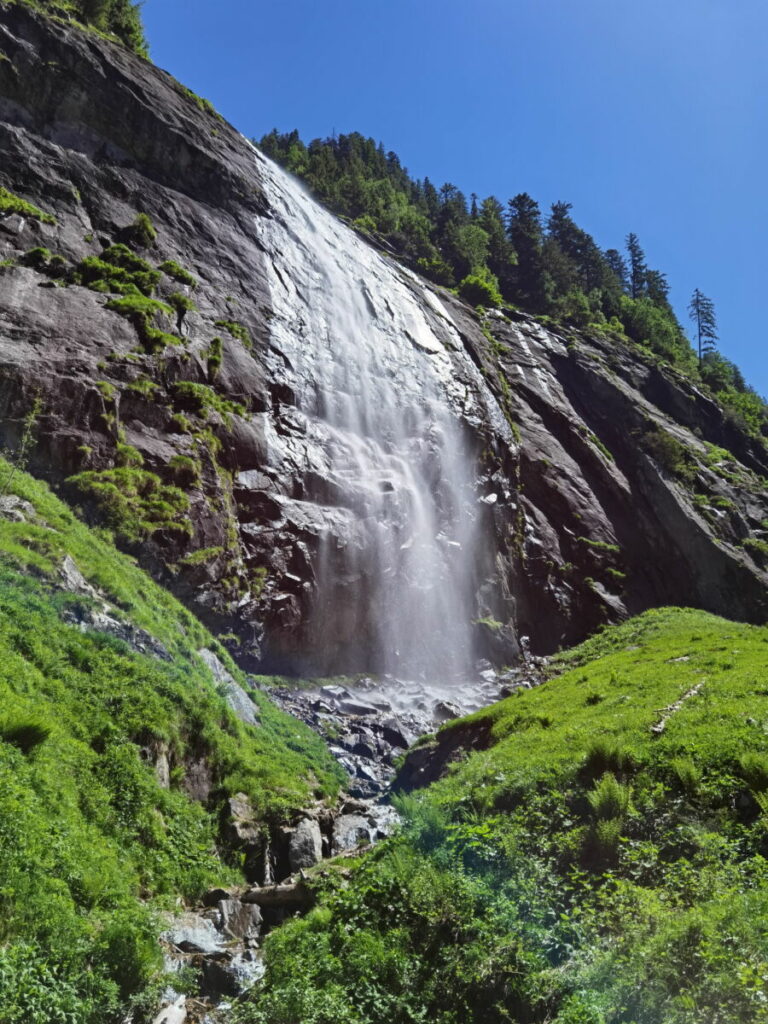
[(369, 352)]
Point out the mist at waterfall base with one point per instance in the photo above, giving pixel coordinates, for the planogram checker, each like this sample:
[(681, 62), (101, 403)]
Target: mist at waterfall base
[(378, 422)]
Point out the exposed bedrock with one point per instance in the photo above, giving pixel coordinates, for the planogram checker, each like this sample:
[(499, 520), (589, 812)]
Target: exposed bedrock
[(376, 479)]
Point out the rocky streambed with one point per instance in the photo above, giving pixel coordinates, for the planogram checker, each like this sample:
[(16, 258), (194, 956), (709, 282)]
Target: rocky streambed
[(368, 723)]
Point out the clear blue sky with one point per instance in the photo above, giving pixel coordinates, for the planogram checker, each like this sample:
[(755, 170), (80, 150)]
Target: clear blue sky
[(648, 116)]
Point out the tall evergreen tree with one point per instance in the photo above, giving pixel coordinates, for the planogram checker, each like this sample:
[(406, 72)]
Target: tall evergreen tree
[(534, 285), (702, 312), (618, 266), (638, 271)]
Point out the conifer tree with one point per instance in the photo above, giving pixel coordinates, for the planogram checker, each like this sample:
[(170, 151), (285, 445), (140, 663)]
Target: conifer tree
[(638, 271), (702, 312), (534, 284), (618, 266)]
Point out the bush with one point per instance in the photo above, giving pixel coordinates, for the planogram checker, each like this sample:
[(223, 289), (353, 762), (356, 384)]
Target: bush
[(609, 799), (134, 502), (606, 754), (480, 291), (118, 270), (143, 231), (141, 311), (214, 358), (668, 452), (185, 470), (754, 770), (24, 733)]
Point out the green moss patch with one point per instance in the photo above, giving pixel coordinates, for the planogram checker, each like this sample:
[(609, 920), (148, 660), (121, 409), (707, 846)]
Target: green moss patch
[(10, 203)]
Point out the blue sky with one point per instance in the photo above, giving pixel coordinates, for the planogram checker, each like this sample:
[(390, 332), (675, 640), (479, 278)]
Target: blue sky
[(648, 117)]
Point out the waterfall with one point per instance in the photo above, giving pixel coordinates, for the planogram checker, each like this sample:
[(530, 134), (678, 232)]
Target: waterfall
[(379, 422)]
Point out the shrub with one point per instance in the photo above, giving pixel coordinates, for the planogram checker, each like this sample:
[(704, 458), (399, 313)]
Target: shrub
[(185, 470), (754, 770), (134, 502), (118, 270), (36, 258), (480, 291), (758, 549), (214, 358), (127, 455), (668, 452), (24, 733), (609, 799), (687, 774), (203, 400), (606, 754), (143, 231), (141, 310)]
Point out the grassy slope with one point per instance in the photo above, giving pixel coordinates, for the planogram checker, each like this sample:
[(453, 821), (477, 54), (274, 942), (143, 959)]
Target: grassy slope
[(584, 869), (85, 829)]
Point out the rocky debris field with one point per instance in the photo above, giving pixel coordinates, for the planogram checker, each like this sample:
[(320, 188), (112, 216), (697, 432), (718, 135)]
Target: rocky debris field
[(368, 723)]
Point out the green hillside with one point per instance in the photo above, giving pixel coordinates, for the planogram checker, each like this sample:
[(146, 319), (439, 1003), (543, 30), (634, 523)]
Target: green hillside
[(603, 861), (90, 844)]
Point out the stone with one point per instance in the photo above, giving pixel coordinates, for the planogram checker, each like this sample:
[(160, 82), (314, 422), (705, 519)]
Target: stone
[(214, 896), (13, 224), (445, 711), (357, 707), (350, 831), (334, 693), (234, 694), (395, 733), (193, 933), (239, 920), (176, 1013), (305, 848)]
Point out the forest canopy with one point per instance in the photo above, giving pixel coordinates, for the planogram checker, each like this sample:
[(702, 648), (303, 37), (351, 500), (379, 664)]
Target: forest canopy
[(510, 254)]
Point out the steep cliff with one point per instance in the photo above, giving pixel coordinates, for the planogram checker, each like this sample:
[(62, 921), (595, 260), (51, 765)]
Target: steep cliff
[(179, 360)]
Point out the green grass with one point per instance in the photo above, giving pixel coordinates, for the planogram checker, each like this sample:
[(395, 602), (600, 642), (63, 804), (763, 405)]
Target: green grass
[(90, 844), (178, 273), (588, 867), (11, 203), (133, 502), (237, 331), (202, 400)]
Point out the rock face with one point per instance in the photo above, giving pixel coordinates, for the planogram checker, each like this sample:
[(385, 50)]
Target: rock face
[(342, 432)]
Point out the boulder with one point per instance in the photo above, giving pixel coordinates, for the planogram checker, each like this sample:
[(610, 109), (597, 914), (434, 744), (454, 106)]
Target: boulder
[(238, 920), (305, 848)]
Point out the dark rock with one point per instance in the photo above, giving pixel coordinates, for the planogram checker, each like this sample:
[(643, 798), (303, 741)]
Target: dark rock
[(214, 896), (92, 134), (292, 896), (394, 732), (445, 711), (357, 707)]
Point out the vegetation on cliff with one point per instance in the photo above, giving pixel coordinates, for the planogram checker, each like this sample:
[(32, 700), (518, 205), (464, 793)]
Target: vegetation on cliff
[(510, 254), (119, 18), (602, 861), (101, 683)]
